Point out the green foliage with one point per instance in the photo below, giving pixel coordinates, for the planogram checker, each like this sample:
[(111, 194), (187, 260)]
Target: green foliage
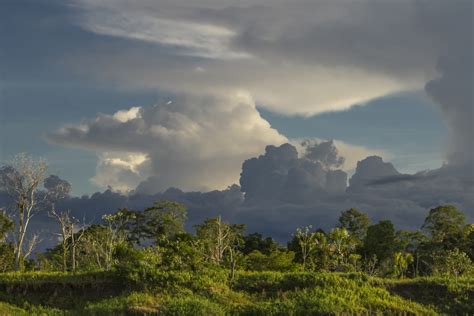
[(144, 263), (355, 222), (278, 260), (6, 225), (445, 224), (253, 293), (256, 241), (162, 221), (323, 293), (192, 306), (401, 262), (380, 242), (446, 295), (453, 263), (7, 257)]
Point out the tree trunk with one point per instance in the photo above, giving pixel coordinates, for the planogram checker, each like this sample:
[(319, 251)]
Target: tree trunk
[(21, 237), (73, 250), (64, 256), (232, 266)]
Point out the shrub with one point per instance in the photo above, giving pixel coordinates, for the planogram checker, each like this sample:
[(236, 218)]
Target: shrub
[(192, 306)]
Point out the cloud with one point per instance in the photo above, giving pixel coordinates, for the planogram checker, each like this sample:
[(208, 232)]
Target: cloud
[(350, 153), (121, 171), (371, 169), (187, 37), (281, 191), (280, 175), (193, 142), (452, 90), (301, 57), (324, 152)]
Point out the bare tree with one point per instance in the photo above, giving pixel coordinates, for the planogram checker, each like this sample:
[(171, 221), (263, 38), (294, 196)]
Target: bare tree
[(21, 180), (75, 240), (66, 221), (57, 190), (218, 239)]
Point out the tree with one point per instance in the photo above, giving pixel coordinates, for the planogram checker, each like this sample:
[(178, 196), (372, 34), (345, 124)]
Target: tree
[(445, 225), (65, 221), (218, 239), (57, 190), (355, 222), (453, 263), (469, 242), (6, 250), (413, 242), (341, 245), (6, 226), (256, 241), (400, 263), (307, 242), (21, 180), (278, 260), (114, 236), (162, 221), (96, 247), (380, 241)]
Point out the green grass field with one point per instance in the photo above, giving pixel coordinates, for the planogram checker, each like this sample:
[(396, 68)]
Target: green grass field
[(252, 293)]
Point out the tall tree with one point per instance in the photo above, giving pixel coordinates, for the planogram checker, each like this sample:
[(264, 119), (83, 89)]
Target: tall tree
[(414, 243), (22, 180), (161, 222), (445, 224), (57, 190), (380, 241), (256, 241), (219, 239), (355, 222)]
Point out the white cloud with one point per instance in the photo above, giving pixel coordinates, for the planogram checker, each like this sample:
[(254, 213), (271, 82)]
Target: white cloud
[(300, 57), (121, 171), (189, 37), (127, 115), (192, 143)]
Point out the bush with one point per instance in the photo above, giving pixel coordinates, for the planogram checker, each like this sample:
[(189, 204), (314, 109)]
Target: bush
[(192, 306)]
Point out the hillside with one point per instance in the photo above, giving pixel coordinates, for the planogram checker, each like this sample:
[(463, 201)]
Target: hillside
[(209, 293)]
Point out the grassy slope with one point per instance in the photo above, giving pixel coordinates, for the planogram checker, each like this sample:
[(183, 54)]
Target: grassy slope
[(262, 293)]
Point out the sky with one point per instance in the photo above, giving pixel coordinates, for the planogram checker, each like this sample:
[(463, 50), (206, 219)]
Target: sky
[(136, 97)]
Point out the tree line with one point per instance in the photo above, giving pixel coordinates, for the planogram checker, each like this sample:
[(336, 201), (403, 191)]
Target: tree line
[(155, 238)]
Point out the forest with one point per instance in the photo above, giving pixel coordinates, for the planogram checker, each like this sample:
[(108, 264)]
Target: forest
[(144, 262)]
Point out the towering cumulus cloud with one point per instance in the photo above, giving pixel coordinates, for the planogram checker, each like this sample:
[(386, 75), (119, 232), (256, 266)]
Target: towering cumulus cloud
[(453, 89), (292, 57), (194, 143)]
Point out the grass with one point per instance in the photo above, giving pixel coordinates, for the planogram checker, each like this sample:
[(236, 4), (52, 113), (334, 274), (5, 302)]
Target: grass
[(252, 293)]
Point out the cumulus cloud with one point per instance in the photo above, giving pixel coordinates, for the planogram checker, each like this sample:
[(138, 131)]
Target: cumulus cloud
[(281, 191), (452, 90), (325, 152), (192, 142), (280, 175)]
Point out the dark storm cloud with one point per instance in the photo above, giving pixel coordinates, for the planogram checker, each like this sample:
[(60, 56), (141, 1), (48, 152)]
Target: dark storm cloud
[(280, 175), (281, 191), (324, 152)]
